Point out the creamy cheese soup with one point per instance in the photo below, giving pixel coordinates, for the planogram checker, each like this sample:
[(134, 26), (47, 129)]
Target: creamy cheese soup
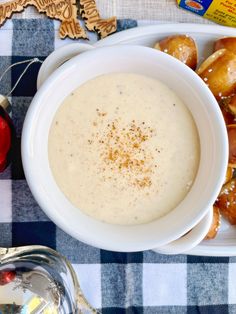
[(124, 148)]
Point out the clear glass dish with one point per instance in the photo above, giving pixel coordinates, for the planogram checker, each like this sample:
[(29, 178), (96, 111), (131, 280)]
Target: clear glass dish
[(38, 280)]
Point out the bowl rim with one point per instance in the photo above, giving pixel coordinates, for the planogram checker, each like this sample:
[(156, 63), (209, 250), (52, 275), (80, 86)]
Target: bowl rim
[(29, 169)]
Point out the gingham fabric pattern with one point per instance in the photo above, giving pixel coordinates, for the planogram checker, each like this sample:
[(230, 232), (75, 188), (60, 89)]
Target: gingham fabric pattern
[(115, 283)]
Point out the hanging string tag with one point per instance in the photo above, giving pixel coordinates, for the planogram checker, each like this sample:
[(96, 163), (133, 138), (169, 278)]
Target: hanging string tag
[(4, 103)]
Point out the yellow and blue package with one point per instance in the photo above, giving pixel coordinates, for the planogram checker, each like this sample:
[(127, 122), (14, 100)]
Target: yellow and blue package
[(220, 11)]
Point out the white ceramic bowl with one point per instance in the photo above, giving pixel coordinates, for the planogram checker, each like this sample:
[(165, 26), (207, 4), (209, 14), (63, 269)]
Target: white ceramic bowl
[(182, 244), (199, 100), (190, 239)]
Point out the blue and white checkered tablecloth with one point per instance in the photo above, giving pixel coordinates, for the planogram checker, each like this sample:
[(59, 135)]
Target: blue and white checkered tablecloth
[(115, 283)]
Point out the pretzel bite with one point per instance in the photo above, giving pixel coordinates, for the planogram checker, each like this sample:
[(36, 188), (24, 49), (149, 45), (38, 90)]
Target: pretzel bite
[(228, 43), (231, 129), (228, 117), (215, 225), (226, 201), (229, 174), (227, 114), (219, 73), (232, 105), (229, 105), (181, 47)]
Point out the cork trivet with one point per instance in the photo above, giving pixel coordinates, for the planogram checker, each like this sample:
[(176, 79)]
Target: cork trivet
[(93, 21), (62, 10)]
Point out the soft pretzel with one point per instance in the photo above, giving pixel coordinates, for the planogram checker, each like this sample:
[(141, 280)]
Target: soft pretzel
[(215, 225), (228, 117), (231, 129), (229, 174), (181, 47), (232, 105), (219, 73), (226, 201), (228, 43)]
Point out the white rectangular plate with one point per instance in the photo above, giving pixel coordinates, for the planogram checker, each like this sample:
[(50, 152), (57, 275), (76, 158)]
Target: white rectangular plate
[(205, 35)]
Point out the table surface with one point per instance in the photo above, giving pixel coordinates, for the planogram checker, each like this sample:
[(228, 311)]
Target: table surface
[(160, 10), (143, 282)]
